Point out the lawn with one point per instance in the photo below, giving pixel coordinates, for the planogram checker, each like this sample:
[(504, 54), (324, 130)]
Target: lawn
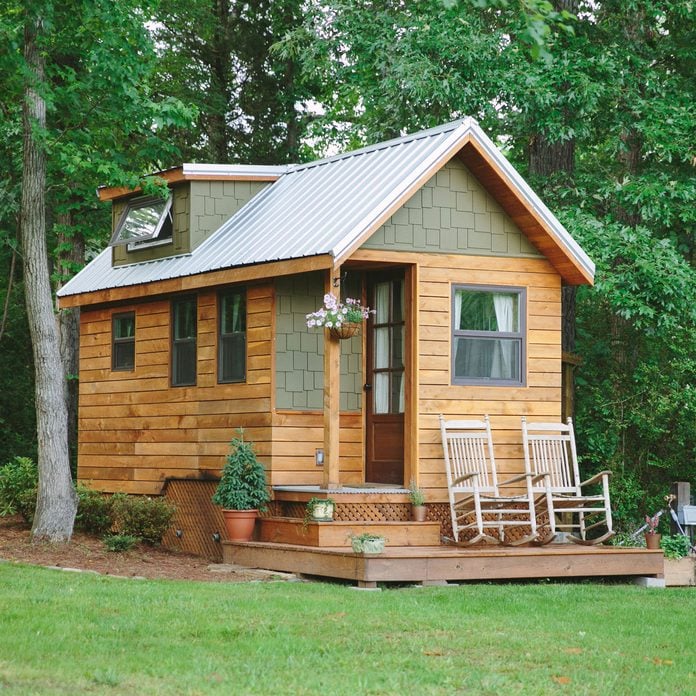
[(65, 633)]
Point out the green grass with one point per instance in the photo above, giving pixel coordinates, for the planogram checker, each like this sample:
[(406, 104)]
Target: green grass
[(64, 633)]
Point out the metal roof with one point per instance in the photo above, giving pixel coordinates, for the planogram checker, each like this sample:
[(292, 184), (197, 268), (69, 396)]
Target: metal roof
[(323, 207)]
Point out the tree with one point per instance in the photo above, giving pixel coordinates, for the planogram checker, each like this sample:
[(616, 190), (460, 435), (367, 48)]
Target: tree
[(90, 117), (56, 502), (250, 101)]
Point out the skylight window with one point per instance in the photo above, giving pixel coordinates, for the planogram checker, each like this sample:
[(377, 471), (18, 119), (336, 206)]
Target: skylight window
[(144, 219)]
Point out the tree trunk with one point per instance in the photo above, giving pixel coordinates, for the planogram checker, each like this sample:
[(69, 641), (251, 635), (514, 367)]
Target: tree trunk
[(69, 322), (56, 503)]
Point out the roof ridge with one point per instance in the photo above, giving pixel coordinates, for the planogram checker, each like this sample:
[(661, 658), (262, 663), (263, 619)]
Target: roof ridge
[(383, 145)]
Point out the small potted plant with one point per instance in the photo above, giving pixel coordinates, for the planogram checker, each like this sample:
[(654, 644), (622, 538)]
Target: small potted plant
[(371, 544), (343, 320), (417, 498), (319, 510), (242, 491), (652, 538)]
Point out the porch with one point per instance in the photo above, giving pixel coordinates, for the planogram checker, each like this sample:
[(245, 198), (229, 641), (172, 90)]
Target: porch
[(434, 565)]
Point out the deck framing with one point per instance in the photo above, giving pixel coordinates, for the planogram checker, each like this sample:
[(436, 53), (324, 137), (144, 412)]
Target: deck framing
[(438, 564)]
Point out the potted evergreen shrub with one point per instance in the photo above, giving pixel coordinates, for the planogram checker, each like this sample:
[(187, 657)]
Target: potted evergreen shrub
[(242, 492)]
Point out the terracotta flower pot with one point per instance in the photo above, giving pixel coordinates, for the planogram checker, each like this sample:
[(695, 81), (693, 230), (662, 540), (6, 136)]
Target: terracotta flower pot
[(344, 330), (418, 513), (240, 524), (652, 541)]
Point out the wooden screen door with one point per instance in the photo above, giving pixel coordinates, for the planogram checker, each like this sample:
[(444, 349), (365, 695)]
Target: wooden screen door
[(385, 384)]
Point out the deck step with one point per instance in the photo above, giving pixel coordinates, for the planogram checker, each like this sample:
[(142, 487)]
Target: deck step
[(293, 530)]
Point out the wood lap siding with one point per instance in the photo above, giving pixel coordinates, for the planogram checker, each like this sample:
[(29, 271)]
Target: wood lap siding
[(540, 398), (136, 430)]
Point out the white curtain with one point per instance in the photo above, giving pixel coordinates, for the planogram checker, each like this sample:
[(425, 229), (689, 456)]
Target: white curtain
[(503, 353)]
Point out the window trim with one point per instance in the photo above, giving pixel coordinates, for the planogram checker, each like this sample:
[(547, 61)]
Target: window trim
[(174, 342), (151, 239), (239, 290), (114, 341), (520, 336)]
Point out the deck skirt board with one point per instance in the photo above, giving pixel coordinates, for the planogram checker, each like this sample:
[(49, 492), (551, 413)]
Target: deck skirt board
[(447, 563)]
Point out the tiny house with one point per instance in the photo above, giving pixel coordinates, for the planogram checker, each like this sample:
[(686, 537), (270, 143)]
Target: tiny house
[(194, 318)]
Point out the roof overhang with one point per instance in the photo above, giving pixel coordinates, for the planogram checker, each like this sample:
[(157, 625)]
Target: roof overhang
[(240, 274), (200, 172)]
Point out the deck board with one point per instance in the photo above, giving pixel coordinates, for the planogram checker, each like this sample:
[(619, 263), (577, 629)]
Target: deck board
[(429, 564)]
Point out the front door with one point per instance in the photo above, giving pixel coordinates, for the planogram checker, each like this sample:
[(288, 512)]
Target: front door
[(386, 335)]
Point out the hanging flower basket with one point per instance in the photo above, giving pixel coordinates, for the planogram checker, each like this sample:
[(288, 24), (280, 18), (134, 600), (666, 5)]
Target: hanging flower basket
[(344, 331), (343, 320)]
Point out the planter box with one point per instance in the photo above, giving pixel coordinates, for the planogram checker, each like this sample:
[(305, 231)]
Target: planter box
[(680, 572)]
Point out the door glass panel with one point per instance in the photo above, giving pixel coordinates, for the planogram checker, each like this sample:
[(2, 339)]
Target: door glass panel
[(397, 356), (381, 392), (382, 347), (397, 392), (398, 309), (382, 303)]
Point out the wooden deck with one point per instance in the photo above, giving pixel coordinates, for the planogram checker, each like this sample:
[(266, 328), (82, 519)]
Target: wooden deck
[(441, 564)]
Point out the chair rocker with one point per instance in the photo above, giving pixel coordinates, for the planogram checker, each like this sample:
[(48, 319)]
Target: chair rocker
[(550, 456), (476, 503)]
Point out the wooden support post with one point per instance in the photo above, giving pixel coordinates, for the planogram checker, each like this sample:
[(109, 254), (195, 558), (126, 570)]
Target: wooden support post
[(332, 390)]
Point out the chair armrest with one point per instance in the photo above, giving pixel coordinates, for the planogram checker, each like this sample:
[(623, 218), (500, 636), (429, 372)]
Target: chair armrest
[(466, 477), (596, 478), (514, 479)]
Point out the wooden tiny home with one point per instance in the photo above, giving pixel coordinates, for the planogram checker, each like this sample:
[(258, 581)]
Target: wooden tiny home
[(193, 322)]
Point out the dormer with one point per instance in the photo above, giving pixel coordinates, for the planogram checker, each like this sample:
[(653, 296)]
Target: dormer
[(201, 198)]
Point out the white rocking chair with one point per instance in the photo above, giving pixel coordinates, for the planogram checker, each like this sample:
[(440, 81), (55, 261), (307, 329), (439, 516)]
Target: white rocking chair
[(476, 503), (550, 455)]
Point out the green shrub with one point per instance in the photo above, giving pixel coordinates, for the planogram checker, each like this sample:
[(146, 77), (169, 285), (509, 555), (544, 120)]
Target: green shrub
[(676, 546), (243, 482), (120, 542), (18, 479), (142, 517), (94, 514)]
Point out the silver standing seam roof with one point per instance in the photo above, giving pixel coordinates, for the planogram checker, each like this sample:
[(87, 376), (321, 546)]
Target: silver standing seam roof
[(323, 207)]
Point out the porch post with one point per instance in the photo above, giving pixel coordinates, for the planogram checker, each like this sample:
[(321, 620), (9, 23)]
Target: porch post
[(332, 389)]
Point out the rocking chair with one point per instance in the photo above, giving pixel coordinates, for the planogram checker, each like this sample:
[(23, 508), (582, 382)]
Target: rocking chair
[(549, 450), (476, 504)]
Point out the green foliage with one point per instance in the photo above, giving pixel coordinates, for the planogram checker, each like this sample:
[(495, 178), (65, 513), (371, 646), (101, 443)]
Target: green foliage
[(141, 516), (94, 511), (118, 543), (18, 481), (243, 482), (416, 494), (676, 546)]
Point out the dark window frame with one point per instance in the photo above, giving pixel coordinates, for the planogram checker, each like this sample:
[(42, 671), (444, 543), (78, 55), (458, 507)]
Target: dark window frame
[(519, 336), (178, 344), (121, 341), (222, 294)]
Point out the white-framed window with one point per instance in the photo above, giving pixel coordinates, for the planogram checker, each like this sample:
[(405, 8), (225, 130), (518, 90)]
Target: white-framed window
[(488, 335), (144, 220)]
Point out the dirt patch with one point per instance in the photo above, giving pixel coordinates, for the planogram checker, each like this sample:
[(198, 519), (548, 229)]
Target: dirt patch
[(89, 553)]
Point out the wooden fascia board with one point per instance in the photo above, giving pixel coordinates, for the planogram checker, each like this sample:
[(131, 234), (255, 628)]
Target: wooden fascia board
[(524, 216), (176, 176), (374, 224), (240, 274)]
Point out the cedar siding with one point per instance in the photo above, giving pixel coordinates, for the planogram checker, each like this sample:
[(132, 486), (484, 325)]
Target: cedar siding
[(136, 430)]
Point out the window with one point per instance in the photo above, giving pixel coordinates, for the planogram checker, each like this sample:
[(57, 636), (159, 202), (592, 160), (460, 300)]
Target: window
[(232, 336), (184, 312), (123, 341), (488, 335), (145, 219)]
